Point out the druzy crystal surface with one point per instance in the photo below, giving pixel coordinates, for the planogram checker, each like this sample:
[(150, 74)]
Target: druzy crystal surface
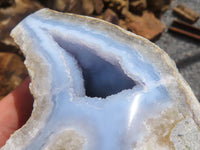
[(99, 87)]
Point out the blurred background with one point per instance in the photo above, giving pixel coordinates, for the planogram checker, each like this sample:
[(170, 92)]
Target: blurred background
[(173, 25)]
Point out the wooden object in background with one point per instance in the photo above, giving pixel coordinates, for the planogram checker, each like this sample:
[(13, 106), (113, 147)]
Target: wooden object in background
[(186, 13), (186, 29)]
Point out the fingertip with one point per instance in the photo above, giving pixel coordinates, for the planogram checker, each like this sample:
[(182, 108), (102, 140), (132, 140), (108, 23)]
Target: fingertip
[(15, 109)]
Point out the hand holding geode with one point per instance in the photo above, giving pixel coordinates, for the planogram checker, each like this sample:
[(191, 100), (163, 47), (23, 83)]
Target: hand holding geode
[(99, 87)]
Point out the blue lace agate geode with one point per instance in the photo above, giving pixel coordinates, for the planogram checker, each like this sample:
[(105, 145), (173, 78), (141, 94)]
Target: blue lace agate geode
[(99, 87)]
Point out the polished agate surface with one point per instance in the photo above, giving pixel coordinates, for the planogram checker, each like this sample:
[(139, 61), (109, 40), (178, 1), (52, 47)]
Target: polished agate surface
[(99, 87)]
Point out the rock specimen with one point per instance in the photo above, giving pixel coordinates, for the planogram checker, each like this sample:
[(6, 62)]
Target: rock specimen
[(146, 25), (6, 3), (118, 5), (84, 7), (12, 15), (98, 6), (158, 6), (12, 72), (138, 6), (99, 87), (111, 17)]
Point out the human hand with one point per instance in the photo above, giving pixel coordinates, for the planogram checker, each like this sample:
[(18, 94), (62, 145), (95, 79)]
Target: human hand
[(15, 109)]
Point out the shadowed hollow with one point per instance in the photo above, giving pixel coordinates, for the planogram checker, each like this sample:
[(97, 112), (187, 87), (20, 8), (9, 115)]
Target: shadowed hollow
[(101, 78)]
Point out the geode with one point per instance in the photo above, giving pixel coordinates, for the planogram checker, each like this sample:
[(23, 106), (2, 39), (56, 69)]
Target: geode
[(99, 87)]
